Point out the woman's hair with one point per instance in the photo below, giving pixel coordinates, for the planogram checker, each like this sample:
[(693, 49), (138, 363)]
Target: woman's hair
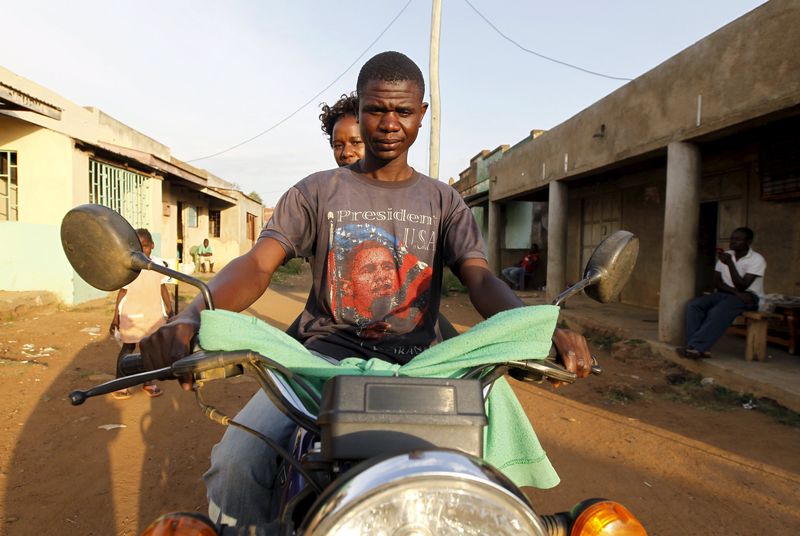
[(347, 105)]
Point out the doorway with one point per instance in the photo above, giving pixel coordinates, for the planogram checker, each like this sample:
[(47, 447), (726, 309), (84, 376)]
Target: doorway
[(723, 208), (706, 247), (180, 232), (251, 228), (602, 216)]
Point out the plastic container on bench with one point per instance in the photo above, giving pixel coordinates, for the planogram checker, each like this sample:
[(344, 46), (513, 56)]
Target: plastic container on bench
[(365, 416)]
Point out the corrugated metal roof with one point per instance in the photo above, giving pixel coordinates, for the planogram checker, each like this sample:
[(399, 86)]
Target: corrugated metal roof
[(14, 99)]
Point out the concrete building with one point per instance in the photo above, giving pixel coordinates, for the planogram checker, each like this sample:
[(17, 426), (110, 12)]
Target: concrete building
[(55, 155), (703, 143)]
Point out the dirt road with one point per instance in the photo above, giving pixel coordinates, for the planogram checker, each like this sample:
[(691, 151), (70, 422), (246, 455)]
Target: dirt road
[(682, 468)]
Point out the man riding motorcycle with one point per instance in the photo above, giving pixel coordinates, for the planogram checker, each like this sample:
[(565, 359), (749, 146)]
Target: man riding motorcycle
[(380, 234)]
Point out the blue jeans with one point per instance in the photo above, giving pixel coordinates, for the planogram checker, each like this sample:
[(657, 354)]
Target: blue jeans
[(241, 479), (516, 276), (708, 317)]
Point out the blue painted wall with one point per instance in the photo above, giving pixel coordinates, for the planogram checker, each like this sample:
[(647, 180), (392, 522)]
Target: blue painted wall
[(32, 259)]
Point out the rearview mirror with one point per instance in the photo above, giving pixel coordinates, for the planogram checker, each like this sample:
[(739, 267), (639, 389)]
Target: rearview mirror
[(105, 251), (613, 261), (608, 269), (98, 243)]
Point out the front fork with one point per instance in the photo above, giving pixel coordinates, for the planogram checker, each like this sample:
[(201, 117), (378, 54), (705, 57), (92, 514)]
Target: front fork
[(292, 495)]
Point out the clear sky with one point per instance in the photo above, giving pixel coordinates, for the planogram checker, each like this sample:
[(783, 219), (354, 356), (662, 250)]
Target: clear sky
[(201, 76)]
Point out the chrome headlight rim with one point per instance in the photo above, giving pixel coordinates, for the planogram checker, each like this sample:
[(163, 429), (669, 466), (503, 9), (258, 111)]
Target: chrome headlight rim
[(376, 476)]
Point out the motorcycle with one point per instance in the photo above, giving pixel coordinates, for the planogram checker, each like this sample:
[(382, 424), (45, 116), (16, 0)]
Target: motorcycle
[(393, 455)]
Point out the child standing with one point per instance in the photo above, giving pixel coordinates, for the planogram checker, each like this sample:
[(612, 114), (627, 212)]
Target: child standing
[(142, 307)]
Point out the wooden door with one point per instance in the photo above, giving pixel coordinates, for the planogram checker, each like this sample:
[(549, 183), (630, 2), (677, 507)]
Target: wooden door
[(602, 215)]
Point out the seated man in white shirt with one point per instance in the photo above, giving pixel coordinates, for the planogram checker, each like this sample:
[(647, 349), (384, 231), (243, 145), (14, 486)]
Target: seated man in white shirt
[(739, 282), (206, 255)]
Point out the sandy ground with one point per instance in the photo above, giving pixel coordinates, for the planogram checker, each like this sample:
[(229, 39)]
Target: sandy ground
[(683, 468)]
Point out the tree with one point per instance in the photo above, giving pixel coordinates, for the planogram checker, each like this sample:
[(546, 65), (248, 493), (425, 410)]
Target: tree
[(254, 195)]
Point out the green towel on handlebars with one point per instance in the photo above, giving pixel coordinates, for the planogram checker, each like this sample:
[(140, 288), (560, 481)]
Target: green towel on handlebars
[(510, 443)]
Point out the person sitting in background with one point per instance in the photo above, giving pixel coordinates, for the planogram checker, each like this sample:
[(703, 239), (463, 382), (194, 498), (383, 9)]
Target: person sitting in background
[(739, 283), (206, 257), (515, 275)]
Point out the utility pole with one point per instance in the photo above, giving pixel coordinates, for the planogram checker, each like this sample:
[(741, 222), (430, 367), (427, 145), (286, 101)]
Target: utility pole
[(434, 110)]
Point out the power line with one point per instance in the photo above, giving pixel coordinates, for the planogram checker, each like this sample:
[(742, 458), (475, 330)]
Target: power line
[(312, 99), (529, 51)]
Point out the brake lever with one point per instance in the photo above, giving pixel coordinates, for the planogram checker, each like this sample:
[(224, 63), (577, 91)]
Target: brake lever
[(547, 368), (542, 369), (78, 397), (596, 369)]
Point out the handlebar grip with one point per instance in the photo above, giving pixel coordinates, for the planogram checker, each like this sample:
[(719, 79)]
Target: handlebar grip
[(131, 364)]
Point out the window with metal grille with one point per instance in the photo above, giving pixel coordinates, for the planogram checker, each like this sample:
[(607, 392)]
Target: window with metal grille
[(121, 190), (8, 186), (213, 223)]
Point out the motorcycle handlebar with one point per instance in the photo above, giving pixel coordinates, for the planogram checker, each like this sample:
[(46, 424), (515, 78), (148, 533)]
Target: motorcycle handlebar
[(197, 363), (131, 364)]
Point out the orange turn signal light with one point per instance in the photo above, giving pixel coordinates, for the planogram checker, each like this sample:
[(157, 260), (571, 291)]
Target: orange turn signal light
[(607, 518), (180, 524)]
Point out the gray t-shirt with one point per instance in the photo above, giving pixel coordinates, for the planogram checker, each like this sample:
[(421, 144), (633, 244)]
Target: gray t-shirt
[(378, 252)]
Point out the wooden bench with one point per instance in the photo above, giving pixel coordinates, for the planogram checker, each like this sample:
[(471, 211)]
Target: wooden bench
[(756, 331)]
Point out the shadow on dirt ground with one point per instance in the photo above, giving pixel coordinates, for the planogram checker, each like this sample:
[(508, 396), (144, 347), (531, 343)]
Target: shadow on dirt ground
[(62, 461), (108, 466)]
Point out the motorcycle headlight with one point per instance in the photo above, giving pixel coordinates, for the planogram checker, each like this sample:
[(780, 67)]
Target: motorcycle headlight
[(425, 493)]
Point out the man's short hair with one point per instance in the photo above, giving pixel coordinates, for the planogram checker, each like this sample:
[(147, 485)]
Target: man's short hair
[(144, 236), (390, 67), (746, 231), (346, 105)]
